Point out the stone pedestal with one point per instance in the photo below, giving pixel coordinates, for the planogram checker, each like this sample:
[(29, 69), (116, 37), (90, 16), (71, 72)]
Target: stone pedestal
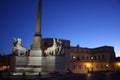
[(27, 64), (54, 64), (36, 52), (35, 65)]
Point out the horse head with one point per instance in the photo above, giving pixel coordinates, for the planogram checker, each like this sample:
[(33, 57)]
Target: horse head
[(19, 41), (15, 41)]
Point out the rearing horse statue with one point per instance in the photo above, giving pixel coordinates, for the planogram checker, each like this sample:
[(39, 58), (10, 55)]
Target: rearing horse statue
[(17, 48), (55, 49)]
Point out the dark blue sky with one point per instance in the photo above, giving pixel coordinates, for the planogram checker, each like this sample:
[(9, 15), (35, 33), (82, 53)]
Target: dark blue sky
[(89, 23)]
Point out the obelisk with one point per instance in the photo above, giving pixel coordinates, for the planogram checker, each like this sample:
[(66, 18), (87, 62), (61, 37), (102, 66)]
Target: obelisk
[(36, 46)]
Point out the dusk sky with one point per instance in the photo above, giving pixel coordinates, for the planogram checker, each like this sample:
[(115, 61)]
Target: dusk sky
[(89, 23)]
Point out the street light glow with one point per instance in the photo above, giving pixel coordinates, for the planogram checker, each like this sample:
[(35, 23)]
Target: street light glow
[(88, 65), (118, 64)]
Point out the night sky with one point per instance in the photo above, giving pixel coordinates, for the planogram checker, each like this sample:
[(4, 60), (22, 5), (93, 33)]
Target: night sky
[(89, 23)]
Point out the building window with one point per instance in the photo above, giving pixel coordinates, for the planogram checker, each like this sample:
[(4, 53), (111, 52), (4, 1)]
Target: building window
[(83, 58), (112, 66), (97, 66), (78, 58), (103, 57), (111, 56), (94, 57), (99, 57), (73, 65), (79, 66), (85, 67), (87, 58), (101, 66)]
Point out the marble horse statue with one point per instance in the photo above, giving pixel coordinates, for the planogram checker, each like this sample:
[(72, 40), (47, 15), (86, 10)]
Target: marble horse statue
[(18, 49), (60, 47), (52, 50), (55, 49)]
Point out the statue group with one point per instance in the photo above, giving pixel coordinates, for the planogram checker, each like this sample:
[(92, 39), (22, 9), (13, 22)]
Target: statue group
[(18, 49), (56, 48)]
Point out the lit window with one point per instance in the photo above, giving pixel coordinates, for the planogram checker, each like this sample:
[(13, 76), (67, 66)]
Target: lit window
[(74, 57), (106, 65), (91, 57), (87, 58), (83, 57)]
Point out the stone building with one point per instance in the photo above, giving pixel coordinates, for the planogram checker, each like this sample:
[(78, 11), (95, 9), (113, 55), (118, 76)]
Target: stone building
[(84, 60)]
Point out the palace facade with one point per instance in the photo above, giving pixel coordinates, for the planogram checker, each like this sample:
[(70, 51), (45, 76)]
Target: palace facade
[(85, 60)]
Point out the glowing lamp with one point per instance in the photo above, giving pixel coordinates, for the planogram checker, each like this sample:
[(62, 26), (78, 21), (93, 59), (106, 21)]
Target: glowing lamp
[(88, 65), (107, 65), (118, 64), (74, 57)]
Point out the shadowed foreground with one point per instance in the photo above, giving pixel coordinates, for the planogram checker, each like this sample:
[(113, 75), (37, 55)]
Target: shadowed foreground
[(90, 76)]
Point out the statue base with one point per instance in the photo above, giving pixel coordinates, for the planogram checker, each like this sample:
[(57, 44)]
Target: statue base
[(37, 52), (35, 65), (53, 64), (28, 64)]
